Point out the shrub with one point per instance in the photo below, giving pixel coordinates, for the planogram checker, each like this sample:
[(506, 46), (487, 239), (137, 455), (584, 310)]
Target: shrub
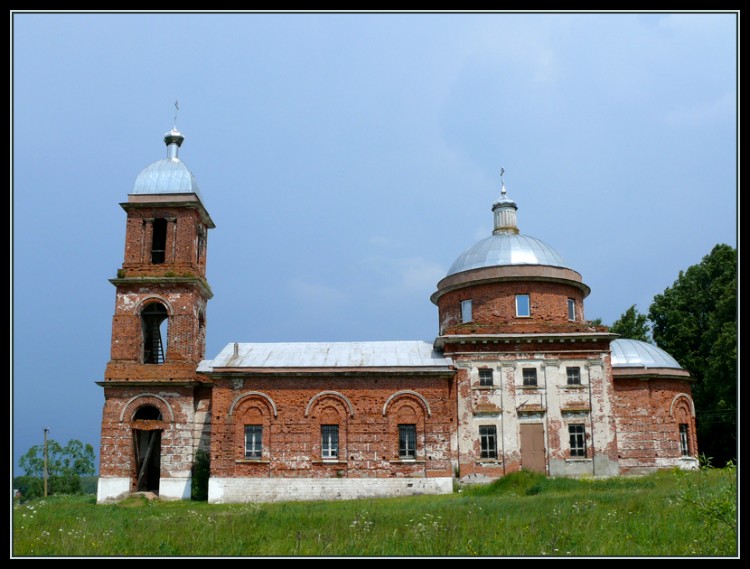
[(201, 473)]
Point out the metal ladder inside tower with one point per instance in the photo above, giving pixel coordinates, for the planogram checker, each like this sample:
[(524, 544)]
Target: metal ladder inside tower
[(157, 347)]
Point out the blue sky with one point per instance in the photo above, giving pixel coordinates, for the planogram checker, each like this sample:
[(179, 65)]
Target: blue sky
[(347, 160)]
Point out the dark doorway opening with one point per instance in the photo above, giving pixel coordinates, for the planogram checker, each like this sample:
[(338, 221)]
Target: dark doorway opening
[(147, 449)]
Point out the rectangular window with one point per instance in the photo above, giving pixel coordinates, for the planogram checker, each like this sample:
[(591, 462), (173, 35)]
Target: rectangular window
[(329, 445), (485, 377), (466, 311), (529, 376), (574, 375), (523, 305), (571, 309), (253, 441), (488, 441), (577, 440), (684, 440), (407, 441), (158, 241)]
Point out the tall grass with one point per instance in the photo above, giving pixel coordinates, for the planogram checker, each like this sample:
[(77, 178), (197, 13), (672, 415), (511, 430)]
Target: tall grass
[(520, 515)]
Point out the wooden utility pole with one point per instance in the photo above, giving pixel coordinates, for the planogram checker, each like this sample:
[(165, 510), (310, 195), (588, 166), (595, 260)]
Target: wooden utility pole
[(45, 461)]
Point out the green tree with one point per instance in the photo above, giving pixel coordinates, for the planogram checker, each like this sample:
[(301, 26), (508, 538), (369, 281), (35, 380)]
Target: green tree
[(695, 320), (65, 466), (632, 325)]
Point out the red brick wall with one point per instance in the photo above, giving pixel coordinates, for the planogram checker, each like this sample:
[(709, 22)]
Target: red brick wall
[(181, 253), (178, 429), (185, 305), (647, 432), (368, 441), (494, 308)]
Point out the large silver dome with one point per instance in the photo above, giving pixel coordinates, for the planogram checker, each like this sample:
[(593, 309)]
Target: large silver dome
[(507, 249), (168, 176), (635, 353)]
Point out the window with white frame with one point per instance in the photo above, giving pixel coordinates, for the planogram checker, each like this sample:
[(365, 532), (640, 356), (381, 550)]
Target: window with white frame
[(329, 444), (574, 375), (466, 311), (529, 376), (488, 441), (407, 441), (523, 305), (571, 309), (485, 377), (577, 435), (253, 441), (684, 440)]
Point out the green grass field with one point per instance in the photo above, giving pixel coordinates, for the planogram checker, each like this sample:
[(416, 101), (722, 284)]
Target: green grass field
[(668, 514)]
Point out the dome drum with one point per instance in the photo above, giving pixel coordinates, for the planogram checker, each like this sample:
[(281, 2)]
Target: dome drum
[(510, 273), (494, 308)]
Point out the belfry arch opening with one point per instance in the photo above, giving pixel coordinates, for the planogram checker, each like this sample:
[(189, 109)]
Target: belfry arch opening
[(154, 322), (147, 429)]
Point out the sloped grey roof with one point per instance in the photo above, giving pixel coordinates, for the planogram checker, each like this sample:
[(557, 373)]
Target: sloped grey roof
[(635, 353), (507, 249), (412, 354)]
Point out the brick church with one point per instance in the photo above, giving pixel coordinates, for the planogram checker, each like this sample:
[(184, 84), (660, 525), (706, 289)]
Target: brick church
[(516, 379)]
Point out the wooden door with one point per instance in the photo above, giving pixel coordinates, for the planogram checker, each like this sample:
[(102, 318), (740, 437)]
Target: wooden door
[(533, 453)]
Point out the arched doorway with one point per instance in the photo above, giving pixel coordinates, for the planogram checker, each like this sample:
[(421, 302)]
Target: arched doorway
[(147, 428)]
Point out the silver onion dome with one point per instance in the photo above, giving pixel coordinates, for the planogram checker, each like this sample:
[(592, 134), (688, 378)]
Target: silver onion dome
[(167, 176)]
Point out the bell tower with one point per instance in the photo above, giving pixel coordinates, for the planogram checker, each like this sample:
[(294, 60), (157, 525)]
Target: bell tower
[(155, 415)]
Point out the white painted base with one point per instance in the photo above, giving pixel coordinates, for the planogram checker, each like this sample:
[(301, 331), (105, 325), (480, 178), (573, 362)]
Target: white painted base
[(688, 463), (111, 489), (174, 488), (238, 490)]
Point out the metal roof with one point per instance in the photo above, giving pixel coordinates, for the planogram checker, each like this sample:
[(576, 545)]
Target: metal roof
[(328, 355), (507, 249), (635, 353), (168, 176)]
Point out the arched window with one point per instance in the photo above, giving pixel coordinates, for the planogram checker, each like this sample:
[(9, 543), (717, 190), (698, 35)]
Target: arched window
[(329, 411), (406, 424), (253, 424), (682, 414), (154, 321), (329, 420)]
